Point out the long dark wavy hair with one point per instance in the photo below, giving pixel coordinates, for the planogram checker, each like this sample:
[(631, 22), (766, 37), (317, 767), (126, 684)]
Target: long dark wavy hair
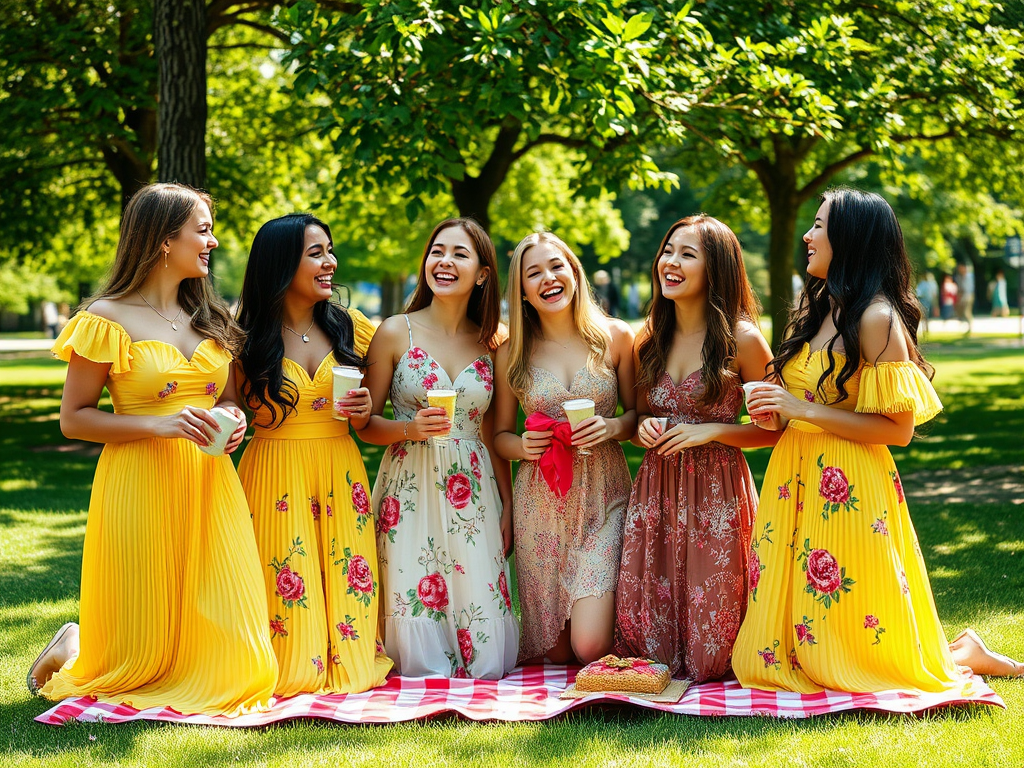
[(273, 260), (485, 300), (156, 213), (730, 299), (869, 261)]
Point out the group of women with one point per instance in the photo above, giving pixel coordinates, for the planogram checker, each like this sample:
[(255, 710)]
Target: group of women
[(208, 591)]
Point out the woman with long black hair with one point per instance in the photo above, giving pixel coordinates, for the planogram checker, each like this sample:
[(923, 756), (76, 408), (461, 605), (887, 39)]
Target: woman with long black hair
[(302, 471), (839, 595)]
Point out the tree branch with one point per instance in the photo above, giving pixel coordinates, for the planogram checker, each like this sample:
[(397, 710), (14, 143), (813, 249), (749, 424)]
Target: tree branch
[(812, 186), (548, 138)]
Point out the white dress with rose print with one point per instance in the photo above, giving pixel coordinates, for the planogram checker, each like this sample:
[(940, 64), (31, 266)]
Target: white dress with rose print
[(445, 597)]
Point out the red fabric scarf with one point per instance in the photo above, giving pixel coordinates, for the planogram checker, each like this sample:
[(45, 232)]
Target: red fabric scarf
[(556, 461)]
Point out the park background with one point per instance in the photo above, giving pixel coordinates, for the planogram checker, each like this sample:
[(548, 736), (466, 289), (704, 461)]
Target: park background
[(603, 121)]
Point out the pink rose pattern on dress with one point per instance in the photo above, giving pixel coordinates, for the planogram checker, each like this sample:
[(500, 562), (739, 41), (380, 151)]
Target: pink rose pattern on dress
[(769, 657), (360, 502), (281, 505), (826, 579), (277, 627), (170, 389), (347, 628), (430, 596), (389, 517), (871, 622), (459, 490), (804, 636), (289, 585), (898, 485), (835, 489), (361, 584), (319, 403), (784, 494), (314, 507), (211, 390), (484, 373)]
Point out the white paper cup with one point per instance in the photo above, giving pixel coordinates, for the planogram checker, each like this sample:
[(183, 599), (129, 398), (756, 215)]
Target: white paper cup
[(345, 378), (748, 390), (663, 420), (577, 411), (227, 422), (443, 398)]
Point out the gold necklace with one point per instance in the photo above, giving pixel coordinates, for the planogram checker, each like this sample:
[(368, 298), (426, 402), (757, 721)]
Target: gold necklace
[(174, 322), (303, 336)]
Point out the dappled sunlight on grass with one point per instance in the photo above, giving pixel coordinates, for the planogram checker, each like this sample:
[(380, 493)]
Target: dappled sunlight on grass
[(974, 552)]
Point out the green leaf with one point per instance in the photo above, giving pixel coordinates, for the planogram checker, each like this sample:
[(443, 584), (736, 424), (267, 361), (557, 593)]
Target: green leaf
[(636, 26)]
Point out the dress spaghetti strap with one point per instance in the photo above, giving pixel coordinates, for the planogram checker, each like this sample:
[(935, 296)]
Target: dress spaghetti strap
[(409, 325)]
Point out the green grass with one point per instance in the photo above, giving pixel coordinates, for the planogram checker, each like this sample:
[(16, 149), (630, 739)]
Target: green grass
[(974, 554)]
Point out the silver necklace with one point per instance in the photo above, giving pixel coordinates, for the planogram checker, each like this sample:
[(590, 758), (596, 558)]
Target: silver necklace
[(303, 336), (174, 322)]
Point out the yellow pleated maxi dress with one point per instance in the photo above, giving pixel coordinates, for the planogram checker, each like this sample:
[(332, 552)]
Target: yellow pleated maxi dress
[(172, 611), (839, 594), (308, 494)]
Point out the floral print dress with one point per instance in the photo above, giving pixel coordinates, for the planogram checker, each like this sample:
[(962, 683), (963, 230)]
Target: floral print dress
[(173, 612), (307, 492), (446, 604), (839, 594), (682, 585), (568, 547)]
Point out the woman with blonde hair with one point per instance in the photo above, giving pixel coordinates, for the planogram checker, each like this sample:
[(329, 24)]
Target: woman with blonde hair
[(573, 484), (173, 612)]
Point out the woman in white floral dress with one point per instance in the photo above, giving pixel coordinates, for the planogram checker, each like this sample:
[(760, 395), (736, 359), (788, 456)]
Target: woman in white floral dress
[(443, 507)]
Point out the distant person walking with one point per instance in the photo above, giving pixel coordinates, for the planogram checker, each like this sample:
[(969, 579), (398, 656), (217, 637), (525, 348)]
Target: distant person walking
[(51, 319), (928, 295), (606, 293), (965, 294), (947, 297), (997, 292)]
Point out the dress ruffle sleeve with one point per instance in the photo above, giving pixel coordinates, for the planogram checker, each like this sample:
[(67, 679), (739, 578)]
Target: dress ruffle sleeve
[(363, 330), (895, 388), (97, 339)]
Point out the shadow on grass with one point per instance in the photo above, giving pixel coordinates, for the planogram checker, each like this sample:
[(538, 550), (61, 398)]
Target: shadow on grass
[(53, 574)]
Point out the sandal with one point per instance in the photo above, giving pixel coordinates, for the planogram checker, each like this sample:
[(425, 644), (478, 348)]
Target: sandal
[(30, 681)]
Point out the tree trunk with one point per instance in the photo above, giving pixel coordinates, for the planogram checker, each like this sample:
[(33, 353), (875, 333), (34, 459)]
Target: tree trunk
[(392, 295), (132, 166), (784, 206), (473, 201), (179, 34)]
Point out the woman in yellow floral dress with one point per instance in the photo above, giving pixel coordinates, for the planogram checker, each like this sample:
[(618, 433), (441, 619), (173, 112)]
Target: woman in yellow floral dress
[(173, 612), (302, 471), (839, 595)]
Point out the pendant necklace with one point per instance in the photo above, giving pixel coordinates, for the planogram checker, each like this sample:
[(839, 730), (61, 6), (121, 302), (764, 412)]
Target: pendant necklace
[(303, 336), (174, 322)]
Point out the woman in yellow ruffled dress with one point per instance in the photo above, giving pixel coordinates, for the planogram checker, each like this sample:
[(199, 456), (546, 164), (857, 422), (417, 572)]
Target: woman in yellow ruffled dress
[(839, 594), (172, 612), (302, 472)]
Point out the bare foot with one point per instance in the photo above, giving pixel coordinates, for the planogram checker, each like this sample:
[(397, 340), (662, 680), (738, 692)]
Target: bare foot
[(970, 651), (62, 647)]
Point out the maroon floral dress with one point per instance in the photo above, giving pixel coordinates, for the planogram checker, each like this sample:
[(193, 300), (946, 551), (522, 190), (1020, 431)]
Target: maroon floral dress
[(682, 583), (445, 599)]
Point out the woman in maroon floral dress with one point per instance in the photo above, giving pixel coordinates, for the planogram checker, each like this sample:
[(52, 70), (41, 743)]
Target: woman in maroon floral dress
[(682, 582)]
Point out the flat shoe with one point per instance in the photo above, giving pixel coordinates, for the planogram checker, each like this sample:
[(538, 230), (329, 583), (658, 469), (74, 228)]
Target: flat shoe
[(30, 681)]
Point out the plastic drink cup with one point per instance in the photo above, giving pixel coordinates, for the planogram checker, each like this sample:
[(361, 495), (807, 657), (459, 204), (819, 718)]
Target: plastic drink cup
[(443, 398), (577, 411), (748, 390), (345, 379), (663, 420), (227, 422)]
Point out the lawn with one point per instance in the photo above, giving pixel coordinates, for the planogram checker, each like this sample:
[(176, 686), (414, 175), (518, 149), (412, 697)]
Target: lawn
[(974, 553)]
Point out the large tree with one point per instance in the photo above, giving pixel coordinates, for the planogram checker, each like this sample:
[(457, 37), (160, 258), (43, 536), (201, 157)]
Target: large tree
[(813, 89), (439, 96)]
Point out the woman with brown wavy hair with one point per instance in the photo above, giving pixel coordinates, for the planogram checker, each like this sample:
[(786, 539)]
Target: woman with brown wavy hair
[(682, 582), (173, 612), (442, 500)]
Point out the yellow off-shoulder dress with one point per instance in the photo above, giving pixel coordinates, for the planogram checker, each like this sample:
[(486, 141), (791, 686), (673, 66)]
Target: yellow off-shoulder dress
[(839, 594), (309, 498), (172, 612)]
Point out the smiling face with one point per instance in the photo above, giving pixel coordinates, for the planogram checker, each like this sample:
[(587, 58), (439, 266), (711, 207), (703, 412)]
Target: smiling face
[(312, 280), (452, 267), (189, 250), (549, 284), (682, 269), (819, 250)]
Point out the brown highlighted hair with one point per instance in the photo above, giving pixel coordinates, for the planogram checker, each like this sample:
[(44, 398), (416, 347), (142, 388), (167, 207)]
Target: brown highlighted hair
[(730, 299), (485, 301), (156, 213)]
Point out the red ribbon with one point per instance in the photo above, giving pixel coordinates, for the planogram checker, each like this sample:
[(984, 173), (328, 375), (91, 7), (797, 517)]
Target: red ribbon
[(556, 461)]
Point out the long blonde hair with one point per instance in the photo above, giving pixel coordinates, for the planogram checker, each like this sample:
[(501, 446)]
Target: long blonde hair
[(524, 322), (156, 213)]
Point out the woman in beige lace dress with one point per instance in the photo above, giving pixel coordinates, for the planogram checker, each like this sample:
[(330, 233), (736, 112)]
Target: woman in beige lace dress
[(571, 490)]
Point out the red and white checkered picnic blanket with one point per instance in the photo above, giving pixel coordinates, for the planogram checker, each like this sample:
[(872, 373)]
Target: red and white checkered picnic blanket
[(528, 693)]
